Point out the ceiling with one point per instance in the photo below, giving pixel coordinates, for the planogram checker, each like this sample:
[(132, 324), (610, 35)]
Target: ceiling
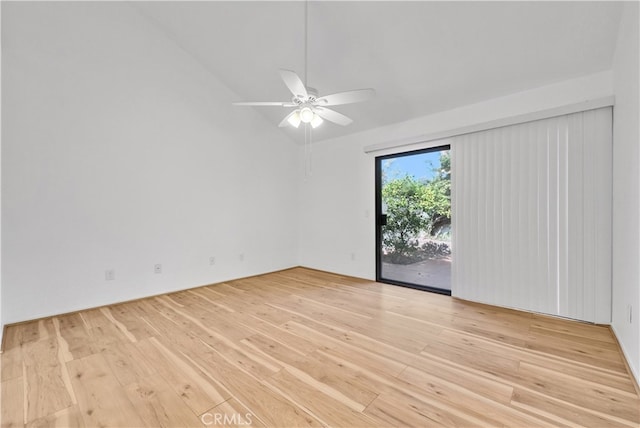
[(421, 57)]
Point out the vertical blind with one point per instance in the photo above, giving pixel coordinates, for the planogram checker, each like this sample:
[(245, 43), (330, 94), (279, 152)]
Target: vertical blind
[(532, 216)]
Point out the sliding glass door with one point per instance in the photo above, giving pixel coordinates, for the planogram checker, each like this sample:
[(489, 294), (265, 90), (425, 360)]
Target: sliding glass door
[(413, 207)]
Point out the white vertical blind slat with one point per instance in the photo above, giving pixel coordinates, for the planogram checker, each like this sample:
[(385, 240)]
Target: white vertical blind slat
[(575, 217), (541, 296), (563, 223), (601, 129), (589, 220), (532, 216)]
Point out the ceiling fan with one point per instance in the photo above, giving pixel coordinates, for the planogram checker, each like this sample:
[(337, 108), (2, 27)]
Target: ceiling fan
[(309, 106)]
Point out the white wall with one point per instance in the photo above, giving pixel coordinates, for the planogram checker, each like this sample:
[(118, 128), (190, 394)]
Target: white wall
[(337, 202), (1, 319), (626, 189), (120, 151)]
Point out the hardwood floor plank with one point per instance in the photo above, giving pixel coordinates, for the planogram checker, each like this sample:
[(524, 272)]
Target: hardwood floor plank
[(105, 336), (405, 411), (461, 397), (339, 377), (346, 344), (429, 402), (198, 392), (516, 335), (276, 333), (11, 360), (12, 403), (596, 340), (11, 337), (579, 329), (580, 352), (271, 409), (398, 413), (46, 328), (217, 336), (158, 405), (525, 353), (65, 418), (306, 348), (101, 399), (93, 318), (45, 388), (624, 405), (307, 309), (29, 332), (127, 318), (280, 355), (200, 293), (73, 337), (364, 359), (63, 346), (465, 351), (467, 379), (328, 409), (269, 314), (127, 363), (536, 403), (120, 326)]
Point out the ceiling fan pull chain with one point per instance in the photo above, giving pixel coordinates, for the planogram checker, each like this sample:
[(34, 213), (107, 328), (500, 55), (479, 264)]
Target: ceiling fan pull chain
[(307, 151), (308, 166), (310, 150)]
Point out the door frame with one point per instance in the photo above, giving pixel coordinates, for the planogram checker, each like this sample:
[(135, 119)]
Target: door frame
[(378, 217)]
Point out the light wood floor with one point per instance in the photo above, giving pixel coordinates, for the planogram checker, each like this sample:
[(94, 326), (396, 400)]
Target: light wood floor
[(303, 348)]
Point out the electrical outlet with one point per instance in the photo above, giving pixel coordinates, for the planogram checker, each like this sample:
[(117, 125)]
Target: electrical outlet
[(110, 274), (630, 313), (157, 268), (353, 257), (241, 257), (212, 261)]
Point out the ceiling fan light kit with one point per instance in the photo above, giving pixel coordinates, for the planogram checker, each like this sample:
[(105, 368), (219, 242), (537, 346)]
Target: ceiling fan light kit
[(293, 119), (306, 114), (316, 121)]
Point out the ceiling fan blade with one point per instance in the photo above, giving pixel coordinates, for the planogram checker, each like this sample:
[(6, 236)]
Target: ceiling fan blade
[(347, 97), (333, 116), (294, 83), (263, 103)]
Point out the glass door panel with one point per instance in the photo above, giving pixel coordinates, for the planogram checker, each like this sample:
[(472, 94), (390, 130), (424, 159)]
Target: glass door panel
[(413, 206)]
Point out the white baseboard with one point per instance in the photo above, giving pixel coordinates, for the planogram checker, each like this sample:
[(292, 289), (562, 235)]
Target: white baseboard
[(627, 357)]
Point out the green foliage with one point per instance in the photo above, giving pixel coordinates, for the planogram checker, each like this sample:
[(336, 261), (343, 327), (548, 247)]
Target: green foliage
[(439, 198), (415, 207), (405, 199)]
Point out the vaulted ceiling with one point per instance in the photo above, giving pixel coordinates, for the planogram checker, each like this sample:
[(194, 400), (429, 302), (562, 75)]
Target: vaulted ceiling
[(421, 57)]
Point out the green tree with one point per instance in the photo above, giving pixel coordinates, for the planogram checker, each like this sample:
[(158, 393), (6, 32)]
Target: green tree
[(406, 204), (438, 194), (415, 207)]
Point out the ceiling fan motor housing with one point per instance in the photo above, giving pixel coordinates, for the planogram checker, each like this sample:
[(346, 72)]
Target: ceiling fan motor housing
[(312, 96)]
